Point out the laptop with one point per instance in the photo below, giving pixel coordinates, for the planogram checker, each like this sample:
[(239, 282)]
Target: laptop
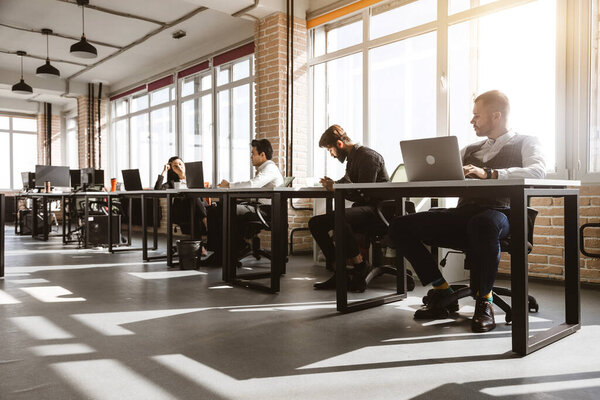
[(131, 179), (432, 159), (194, 175)]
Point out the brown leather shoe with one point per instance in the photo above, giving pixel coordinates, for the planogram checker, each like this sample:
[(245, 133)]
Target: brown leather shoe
[(483, 318)]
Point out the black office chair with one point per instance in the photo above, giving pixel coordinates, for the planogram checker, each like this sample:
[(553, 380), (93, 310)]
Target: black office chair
[(582, 228), (461, 291), (253, 228)]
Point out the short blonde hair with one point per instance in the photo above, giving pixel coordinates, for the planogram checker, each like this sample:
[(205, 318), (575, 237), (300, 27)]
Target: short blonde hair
[(495, 100)]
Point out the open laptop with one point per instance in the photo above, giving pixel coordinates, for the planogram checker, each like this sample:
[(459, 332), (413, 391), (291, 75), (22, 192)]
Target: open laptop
[(131, 179), (194, 175), (432, 159)]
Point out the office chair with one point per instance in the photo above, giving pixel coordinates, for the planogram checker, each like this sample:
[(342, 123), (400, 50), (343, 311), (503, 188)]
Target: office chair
[(582, 228), (253, 228), (461, 291), (376, 233)]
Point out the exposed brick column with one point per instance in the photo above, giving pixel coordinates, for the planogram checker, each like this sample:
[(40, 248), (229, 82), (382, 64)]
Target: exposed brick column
[(56, 142), (82, 132), (270, 101)]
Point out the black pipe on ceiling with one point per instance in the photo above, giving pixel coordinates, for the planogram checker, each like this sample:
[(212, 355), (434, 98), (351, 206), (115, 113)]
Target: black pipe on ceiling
[(48, 133), (99, 126), (89, 159), (291, 148), (287, 86)]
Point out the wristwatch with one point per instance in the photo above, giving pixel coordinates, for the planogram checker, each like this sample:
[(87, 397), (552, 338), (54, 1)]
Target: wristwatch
[(488, 173)]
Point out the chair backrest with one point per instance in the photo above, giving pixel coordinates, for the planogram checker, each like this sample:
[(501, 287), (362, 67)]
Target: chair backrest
[(287, 181), (399, 174)]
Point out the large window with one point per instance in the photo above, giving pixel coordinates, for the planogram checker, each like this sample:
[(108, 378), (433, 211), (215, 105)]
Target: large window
[(72, 144), (18, 149), (407, 70), (143, 132)]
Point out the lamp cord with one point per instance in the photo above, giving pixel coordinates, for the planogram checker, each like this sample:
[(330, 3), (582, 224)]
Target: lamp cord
[(21, 67), (82, 21)]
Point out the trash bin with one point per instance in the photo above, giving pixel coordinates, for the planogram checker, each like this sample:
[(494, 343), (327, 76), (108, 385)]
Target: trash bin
[(190, 253)]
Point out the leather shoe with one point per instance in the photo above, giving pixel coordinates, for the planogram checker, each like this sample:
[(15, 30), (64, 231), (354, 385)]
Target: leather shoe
[(357, 282), (483, 318), (435, 308), (328, 284)]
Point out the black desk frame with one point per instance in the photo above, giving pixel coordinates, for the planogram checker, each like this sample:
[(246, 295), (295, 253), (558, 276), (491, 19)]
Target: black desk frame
[(522, 344)]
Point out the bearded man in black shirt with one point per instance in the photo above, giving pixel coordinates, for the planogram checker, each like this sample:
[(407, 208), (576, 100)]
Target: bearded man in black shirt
[(364, 166)]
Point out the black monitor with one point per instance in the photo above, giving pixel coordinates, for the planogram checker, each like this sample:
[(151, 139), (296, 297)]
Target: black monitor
[(131, 179), (194, 175), (92, 176), (28, 180), (57, 176), (75, 177)]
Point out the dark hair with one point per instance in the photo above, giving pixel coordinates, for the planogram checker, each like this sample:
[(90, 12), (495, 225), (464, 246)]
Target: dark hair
[(263, 146), (495, 100), (171, 175), (330, 137)]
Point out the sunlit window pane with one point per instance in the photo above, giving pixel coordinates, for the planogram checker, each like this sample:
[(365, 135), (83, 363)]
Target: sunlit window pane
[(224, 135), (206, 82), (4, 122), (140, 150), (223, 76), (455, 6), (480, 59), (240, 138), (594, 129), (403, 93), (24, 124), (159, 96), (340, 37), (397, 16), (5, 162), (139, 103), (241, 70), (163, 136), (23, 160), (121, 145), (121, 107)]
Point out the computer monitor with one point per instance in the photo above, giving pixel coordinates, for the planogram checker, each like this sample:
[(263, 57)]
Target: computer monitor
[(28, 180), (75, 177), (131, 179), (57, 176), (92, 176), (194, 175)]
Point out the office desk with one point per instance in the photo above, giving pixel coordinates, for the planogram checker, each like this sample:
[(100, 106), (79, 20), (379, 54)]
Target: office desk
[(519, 191), (279, 234), (2, 222), (43, 197)]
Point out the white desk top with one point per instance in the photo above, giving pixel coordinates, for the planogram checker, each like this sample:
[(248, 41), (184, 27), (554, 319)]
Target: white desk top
[(539, 183)]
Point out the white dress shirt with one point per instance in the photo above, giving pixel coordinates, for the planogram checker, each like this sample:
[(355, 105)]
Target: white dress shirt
[(267, 176), (534, 165)]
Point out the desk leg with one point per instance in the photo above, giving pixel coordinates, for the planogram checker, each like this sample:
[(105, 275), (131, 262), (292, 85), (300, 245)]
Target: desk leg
[(129, 222), (34, 202), (110, 242), (231, 247), (144, 231), (63, 207), (400, 264), (283, 216), (340, 257), (169, 233), (519, 272), (225, 263), (2, 243), (155, 202), (86, 222), (277, 253), (572, 285), (16, 214), (45, 226)]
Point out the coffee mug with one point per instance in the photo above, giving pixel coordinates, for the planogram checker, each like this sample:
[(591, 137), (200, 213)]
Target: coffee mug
[(177, 185)]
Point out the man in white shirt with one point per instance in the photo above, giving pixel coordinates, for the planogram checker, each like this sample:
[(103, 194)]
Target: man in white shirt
[(477, 224), (267, 176)]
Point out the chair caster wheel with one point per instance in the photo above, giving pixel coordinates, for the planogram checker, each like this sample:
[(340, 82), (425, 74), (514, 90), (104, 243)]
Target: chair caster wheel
[(534, 308)]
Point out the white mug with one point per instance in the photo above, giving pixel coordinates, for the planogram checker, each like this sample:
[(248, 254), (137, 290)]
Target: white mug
[(177, 185)]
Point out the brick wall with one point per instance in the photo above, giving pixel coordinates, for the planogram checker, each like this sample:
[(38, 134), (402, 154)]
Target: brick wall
[(547, 257), (82, 133), (56, 140), (270, 105)]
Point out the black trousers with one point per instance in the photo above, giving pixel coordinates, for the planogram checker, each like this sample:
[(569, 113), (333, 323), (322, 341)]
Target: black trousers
[(181, 215), (355, 216)]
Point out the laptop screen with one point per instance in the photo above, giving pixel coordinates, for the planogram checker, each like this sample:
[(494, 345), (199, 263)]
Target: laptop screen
[(131, 179), (194, 175)]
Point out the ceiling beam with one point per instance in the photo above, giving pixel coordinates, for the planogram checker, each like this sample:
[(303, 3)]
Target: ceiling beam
[(61, 35), (113, 12), (140, 40), (44, 58)]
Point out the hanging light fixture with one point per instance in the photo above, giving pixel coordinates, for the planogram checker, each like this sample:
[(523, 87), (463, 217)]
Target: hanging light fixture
[(47, 70), (22, 87), (83, 49)]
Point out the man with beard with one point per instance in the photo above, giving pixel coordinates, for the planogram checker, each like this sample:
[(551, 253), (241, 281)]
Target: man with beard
[(364, 166), (477, 224)]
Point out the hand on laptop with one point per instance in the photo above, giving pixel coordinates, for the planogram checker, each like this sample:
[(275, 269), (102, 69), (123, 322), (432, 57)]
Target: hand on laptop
[(224, 184), (327, 183), (472, 171)]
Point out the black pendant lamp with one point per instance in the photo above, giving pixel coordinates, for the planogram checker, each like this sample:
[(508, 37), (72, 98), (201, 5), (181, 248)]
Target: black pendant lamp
[(47, 70), (22, 87), (83, 49)]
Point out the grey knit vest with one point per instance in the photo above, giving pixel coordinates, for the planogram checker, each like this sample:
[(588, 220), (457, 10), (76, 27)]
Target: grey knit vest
[(508, 156)]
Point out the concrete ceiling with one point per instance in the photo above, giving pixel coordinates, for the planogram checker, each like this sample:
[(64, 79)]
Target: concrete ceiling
[(117, 37)]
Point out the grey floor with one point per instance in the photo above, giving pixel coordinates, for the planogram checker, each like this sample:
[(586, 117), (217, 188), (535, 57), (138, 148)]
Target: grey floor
[(82, 324)]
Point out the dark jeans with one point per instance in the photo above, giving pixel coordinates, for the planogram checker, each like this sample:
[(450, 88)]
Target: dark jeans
[(472, 228), (320, 226)]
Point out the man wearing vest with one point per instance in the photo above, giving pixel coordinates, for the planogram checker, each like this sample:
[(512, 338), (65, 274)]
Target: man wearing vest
[(481, 223)]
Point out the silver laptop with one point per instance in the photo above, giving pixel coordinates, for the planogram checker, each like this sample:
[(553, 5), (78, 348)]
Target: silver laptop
[(432, 159)]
